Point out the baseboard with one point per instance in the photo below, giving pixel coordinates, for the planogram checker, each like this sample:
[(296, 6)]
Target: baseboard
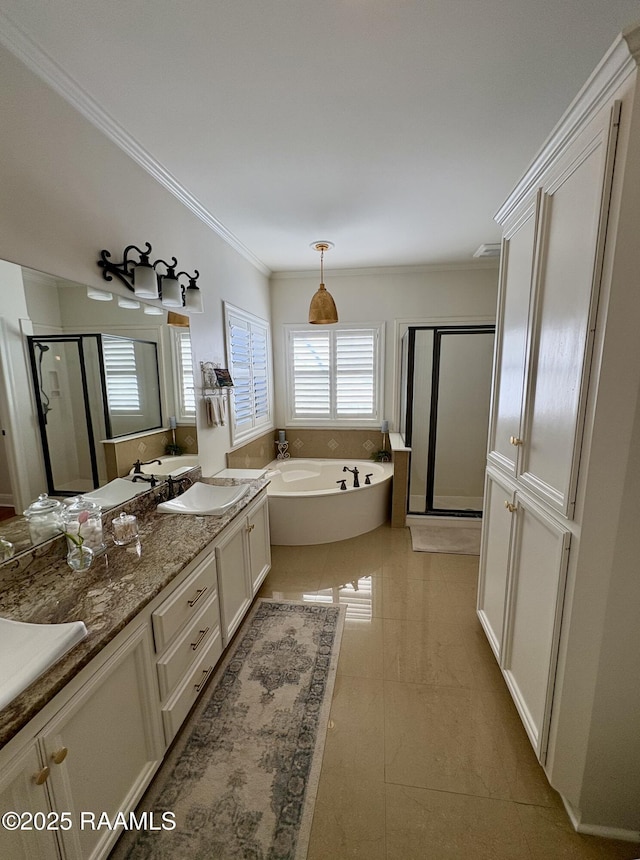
[(6, 500), (597, 829), (426, 520)]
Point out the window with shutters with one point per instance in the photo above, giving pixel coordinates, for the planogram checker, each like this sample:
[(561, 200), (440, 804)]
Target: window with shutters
[(183, 375), (249, 358), (121, 375), (335, 374)]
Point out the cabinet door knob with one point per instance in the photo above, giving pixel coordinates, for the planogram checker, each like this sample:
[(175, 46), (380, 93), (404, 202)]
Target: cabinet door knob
[(515, 440), (251, 527), (511, 508), (59, 755), (42, 776)]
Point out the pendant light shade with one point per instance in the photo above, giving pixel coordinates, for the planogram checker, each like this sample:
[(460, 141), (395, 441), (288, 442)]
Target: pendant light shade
[(322, 310)]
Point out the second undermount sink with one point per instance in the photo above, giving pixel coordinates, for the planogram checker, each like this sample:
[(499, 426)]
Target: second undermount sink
[(28, 650), (204, 499)]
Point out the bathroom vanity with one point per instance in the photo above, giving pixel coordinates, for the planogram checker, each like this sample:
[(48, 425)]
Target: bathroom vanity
[(86, 738)]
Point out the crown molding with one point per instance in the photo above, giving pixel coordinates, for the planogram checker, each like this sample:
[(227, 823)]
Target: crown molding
[(38, 61), (620, 61), (372, 271)]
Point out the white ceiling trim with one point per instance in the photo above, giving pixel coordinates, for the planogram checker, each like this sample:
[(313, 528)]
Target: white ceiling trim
[(17, 41), (492, 263)]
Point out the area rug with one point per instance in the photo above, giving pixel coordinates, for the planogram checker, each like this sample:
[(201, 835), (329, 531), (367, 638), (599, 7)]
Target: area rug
[(243, 777), (463, 540)]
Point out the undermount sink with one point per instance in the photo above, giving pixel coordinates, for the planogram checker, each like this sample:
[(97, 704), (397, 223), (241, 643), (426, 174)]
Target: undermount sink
[(116, 492), (204, 499), (28, 650)]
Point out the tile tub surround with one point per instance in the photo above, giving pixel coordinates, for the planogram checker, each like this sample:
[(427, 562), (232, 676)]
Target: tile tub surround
[(308, 443), (107, 597), (121, 454)]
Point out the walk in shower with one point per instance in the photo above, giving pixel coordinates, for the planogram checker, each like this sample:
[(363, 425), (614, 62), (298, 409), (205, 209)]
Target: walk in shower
[(89, 388), (446, 386)]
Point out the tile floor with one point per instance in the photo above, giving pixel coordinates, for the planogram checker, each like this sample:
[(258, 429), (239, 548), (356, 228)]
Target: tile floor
[(425, 756)]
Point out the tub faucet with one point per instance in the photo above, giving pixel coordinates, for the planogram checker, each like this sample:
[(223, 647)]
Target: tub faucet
[(355, 473), (137, 470)]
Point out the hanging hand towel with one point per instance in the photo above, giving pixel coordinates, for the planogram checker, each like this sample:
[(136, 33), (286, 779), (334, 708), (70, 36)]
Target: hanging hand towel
[(223, 409), (209, 411)]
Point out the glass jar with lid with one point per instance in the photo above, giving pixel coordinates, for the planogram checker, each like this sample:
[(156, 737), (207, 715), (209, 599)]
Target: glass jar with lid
[(43, 518), (88, 526)]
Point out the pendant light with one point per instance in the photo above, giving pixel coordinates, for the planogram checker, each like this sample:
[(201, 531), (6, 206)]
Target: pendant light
[(322, 310)]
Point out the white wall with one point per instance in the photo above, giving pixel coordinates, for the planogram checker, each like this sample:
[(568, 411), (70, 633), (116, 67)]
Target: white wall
[(68, 192), (393, 296)]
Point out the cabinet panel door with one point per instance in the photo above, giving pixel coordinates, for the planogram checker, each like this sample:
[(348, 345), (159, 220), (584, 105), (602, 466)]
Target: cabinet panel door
[(568, 273), (494, 560), (259, 544), (516, 269), (112, 733), (19, 793), (532, 631), (234, 588)]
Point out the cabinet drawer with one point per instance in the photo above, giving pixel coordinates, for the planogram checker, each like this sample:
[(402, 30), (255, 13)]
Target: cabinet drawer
[(195, 639), (183, 699), (183, 604)]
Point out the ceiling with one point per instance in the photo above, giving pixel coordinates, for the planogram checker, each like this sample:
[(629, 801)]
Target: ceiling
[(393, 128)]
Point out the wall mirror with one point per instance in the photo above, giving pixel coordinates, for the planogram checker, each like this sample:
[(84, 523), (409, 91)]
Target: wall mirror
[(446, 382), (104, 386), (59, 314)]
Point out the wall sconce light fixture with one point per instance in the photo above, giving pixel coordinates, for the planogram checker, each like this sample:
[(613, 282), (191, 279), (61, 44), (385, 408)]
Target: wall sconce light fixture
[(322, 310), (141, 277)]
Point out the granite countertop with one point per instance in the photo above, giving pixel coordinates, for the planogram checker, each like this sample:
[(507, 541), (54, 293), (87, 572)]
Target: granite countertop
[(119, 584)]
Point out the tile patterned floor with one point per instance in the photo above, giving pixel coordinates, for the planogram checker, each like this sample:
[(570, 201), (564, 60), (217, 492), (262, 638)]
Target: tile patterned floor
[(425, 757)]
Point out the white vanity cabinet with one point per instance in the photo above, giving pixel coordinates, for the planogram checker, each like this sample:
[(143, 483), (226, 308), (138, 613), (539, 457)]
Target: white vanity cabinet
[(188, 641), (243, 556), (20, 793), (95, 755)]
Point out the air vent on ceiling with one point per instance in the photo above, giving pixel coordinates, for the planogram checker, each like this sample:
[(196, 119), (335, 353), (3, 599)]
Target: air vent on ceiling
[(488, 250)]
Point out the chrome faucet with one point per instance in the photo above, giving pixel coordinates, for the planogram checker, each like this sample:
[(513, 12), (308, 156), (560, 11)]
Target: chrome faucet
[(355, 473)]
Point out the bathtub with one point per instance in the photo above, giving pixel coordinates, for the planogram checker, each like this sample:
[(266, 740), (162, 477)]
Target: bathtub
[(307, 506)]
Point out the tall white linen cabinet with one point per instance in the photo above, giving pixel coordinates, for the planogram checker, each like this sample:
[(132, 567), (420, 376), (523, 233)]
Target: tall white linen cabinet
[(559, 587)]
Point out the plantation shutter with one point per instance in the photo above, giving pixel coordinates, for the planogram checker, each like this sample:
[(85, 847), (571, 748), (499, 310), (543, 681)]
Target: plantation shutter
[(185, 374), (334, 374), (312, 374), (121, 375), (248, 353)]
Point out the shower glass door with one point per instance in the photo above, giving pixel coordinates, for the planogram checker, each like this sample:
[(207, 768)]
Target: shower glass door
[(448, 385)]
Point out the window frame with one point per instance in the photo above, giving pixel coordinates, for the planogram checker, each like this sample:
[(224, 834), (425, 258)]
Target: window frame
[(259, 425), (290, 329)]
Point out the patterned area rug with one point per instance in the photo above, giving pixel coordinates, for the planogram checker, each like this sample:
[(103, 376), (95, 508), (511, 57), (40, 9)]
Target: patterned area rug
[(243, 777), (463, 540)]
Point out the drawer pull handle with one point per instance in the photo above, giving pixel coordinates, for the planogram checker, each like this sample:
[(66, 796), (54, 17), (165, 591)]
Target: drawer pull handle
[(516, 441), (199, 594), (205, 675), (59, 755), (511, 508), (42, 776), (195, 645), (251, 527)]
